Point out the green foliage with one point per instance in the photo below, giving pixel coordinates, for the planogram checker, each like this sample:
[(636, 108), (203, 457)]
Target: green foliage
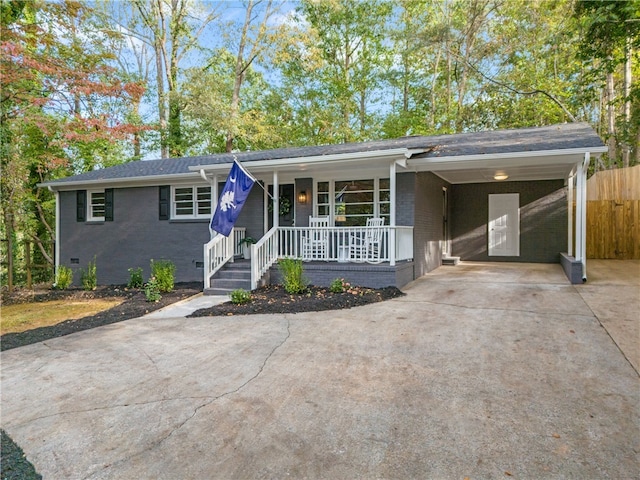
[(247, 241), (164, 272), (90, 278), (339, 285), (152, 290), (240, 296), (135, 278), (64, 278), (293, 279)]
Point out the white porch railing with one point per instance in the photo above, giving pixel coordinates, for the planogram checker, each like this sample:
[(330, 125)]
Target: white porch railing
[(264, 253), (219, 250), (345, 244), (339, 244), (239, 233)]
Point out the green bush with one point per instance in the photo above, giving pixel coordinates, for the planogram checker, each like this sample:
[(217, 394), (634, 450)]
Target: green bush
[(293, 279), (152, 290), (64, 278), (339, 285), (89, 278), (135, 278), (240, 296), (164, 273)]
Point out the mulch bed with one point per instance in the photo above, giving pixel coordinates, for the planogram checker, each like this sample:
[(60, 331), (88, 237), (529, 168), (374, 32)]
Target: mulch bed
[(274, 299)]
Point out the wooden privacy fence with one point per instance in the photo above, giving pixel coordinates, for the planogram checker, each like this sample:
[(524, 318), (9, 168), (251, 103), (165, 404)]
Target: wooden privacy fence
[(613, 214), (613, 229)]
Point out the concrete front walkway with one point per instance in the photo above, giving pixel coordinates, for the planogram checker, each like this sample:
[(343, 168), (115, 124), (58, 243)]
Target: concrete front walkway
[(481, 371)]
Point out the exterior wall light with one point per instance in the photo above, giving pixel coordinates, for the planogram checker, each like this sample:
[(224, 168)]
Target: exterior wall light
[(302, 197), (500, 176)]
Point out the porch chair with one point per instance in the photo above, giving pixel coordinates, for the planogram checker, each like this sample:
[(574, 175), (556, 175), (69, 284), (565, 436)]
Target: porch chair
[(315, 241), (368, 247)]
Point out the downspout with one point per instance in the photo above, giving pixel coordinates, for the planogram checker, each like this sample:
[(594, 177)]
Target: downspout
[(214, 196), (56, 253)]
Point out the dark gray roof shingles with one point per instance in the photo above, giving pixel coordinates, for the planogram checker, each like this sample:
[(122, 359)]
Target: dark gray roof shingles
[(554, 137)]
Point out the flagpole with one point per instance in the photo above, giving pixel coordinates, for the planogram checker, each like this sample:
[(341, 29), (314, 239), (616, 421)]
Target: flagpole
[(235, 159)]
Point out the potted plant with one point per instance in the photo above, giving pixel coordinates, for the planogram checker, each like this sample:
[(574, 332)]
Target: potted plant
[(246, 243)]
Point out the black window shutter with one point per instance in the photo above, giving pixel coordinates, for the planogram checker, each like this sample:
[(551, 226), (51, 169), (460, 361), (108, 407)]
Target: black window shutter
[(81, 205), (164, 193), (108, 204)]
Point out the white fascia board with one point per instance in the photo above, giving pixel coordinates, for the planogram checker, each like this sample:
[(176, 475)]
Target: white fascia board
[(454, 162), (130, 182), (301, 162)]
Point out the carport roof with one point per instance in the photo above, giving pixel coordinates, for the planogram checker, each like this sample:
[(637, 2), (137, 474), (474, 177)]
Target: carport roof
[(538, 152)]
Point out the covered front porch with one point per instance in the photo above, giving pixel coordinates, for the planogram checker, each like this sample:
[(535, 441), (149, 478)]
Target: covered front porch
[(372, 256)]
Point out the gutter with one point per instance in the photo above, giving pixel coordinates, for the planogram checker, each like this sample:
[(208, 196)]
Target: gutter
[(267, 165)]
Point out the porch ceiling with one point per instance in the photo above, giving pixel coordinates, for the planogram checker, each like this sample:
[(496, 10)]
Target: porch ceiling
[(522, 166)]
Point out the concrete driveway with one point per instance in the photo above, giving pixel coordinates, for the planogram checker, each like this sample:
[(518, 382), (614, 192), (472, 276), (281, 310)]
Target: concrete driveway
[(481, 371)]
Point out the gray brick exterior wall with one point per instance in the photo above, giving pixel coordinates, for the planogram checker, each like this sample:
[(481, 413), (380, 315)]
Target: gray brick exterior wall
[(361, 274), (427, 218), (136, 235), (303, 211), (543, 220)]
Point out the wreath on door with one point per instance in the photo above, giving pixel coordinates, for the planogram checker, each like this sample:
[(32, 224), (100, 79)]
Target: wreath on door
[(284, 206)]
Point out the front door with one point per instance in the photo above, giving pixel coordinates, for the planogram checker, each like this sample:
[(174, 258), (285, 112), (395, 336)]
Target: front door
[(504, 225), (286, 205)]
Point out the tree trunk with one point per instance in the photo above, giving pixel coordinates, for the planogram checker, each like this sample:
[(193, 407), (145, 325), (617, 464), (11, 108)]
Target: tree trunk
[(238, 79), (626, 151), (611, 120)]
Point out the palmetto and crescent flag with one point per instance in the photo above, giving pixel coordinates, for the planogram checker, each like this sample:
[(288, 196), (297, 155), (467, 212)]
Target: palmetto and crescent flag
[(232, 198)]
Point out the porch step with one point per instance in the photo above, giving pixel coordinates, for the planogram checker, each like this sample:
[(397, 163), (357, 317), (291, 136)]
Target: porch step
[(450, 260), (230, 277)]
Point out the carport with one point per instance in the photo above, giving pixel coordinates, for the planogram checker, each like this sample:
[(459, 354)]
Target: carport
[(487, 192)]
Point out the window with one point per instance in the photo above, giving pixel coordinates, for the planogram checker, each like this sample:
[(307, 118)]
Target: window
[(191, 202), (351, 202), (97, 205)]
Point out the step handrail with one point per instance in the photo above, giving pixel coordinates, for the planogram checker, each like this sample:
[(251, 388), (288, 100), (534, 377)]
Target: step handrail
[(217, 251), (264, 253)]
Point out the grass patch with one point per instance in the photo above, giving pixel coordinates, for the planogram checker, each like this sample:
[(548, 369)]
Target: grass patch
[(26, 316)]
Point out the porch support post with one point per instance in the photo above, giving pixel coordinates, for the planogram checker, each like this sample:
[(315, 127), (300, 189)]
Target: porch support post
[(392, 214), (265, 210), (276, 199), (570, 181), (581, 214)]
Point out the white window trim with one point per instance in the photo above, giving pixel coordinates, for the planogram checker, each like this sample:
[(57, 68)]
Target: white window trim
[(332, 200), (90, 216), (194, 203)]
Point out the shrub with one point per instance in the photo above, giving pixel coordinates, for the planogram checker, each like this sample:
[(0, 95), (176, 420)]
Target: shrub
[(293, 279), (240, 296), (89, 278), (339, 285), (64, 278), (152, 291), (164, 273), (135, 278)]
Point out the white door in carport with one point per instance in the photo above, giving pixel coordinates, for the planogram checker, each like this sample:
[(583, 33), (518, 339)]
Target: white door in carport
[(504, 225)]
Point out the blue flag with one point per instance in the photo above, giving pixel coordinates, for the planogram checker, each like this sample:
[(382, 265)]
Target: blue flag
[(232, 198)]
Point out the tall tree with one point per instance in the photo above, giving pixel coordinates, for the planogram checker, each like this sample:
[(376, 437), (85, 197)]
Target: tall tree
[(610, 42), (335, 64), (62, 109), (172, 28)]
